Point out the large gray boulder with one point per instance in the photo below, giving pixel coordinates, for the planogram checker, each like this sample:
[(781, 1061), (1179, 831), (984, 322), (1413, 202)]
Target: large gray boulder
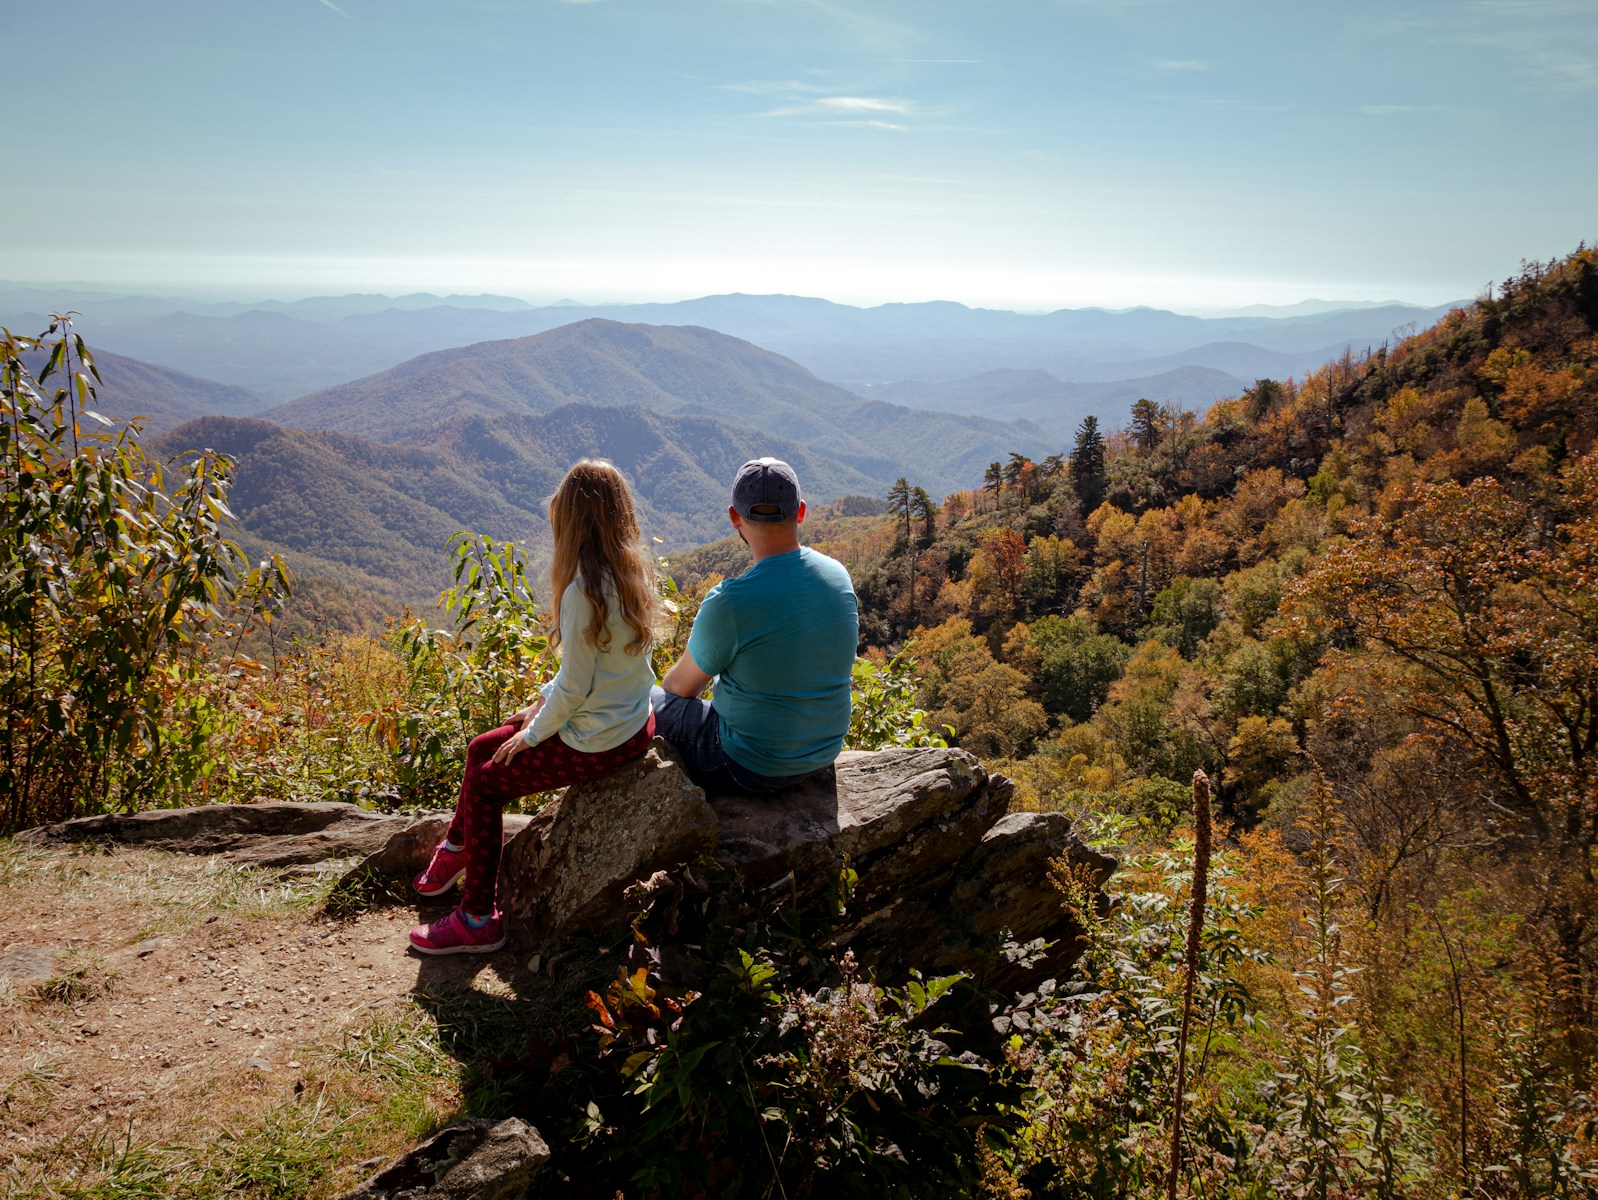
[(943, 876), (566, 872)]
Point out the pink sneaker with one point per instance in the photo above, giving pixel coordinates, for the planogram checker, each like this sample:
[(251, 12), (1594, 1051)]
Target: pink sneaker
[(452, 935), (446, 870)]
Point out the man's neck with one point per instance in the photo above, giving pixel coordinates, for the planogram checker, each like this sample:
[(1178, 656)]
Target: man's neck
[(759, 550)]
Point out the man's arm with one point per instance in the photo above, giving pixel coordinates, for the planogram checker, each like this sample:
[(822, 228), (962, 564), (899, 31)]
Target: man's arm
[(685, 678)]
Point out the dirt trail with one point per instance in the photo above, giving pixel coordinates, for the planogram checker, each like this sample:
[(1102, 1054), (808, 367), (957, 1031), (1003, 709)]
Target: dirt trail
[(167, 998)]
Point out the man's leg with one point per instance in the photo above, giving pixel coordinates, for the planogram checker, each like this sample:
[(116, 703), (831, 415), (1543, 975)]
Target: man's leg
[(694, 731)]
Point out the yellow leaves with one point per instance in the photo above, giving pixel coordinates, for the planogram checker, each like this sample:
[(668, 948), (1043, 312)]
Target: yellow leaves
[(1407, 420), (1502, 362), (1114, 531), (1539, 400)]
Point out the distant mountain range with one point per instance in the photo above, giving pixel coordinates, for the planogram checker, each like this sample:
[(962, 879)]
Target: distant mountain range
[(289, 349), (364, 483), (1053, 405), (375, 517), (670, 370), (165, 398)]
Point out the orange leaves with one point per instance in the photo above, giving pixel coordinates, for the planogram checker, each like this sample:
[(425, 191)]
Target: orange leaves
[(1485, 604), (633, 1011)]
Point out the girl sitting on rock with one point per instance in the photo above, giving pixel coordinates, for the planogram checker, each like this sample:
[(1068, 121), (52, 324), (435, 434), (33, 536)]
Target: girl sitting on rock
[(589, 720)]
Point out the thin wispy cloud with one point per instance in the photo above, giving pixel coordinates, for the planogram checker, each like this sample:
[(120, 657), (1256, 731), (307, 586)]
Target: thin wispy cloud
[(890, 126), (888, 113), (1183, 64), (1391, 110), (934, 61), (862, 29), (1553, 43), (337, 9), (1551, 46), (866, 104), (770, 87), (845, 106), (1222, 102), (859, 30)]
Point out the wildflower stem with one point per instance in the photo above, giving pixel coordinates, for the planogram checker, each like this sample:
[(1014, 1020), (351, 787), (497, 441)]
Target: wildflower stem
[(1202, 832)]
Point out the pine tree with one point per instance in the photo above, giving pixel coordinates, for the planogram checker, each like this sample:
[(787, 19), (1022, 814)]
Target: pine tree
[(1147, 427), (1087, 465), (921, 505), (899, 502)]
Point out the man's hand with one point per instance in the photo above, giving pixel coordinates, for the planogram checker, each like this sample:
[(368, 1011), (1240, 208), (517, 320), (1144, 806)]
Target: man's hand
[(685, 679)]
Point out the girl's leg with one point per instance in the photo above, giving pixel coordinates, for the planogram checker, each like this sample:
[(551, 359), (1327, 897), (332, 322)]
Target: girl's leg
[(480, 750), (487, 786), (450, 857)]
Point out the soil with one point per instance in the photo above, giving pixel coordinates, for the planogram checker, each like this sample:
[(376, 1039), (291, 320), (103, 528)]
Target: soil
[(165, 998)]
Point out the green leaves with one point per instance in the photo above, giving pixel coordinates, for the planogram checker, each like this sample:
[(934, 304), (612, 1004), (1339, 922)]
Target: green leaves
[(460, 682), (884, 711), (113, 592)]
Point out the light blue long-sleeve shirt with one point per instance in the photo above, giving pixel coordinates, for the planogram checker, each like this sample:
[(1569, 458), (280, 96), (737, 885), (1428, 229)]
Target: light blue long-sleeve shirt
[(597, 700)]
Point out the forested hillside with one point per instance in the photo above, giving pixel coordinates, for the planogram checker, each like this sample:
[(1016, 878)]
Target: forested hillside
[(367, 520), (1159, 598), (1376, 585), (1364, 604)]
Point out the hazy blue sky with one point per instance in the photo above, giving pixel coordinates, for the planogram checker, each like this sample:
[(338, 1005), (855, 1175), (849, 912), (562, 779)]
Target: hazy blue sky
[(1014, 154)]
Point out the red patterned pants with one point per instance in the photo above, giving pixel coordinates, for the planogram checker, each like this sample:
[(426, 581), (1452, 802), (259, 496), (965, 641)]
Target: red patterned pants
[(486, 786)]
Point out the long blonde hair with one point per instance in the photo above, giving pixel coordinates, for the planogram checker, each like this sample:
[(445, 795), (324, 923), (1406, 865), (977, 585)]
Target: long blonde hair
[(597, 541)]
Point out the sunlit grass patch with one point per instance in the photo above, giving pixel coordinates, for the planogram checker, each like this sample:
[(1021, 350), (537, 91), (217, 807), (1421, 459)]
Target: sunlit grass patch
[(28, 1088), (45, 871), (285, 1153), (182, 892), (396, 1047)]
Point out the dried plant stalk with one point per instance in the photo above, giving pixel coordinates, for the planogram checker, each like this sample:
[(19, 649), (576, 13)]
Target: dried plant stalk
[(1202, 837)]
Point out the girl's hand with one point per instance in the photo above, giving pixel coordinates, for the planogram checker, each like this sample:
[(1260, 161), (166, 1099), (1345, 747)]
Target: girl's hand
[(509, 749), (522, 717)]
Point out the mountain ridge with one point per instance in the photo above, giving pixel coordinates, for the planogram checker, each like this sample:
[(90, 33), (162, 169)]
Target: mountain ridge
[(354, 337), (682, 370)]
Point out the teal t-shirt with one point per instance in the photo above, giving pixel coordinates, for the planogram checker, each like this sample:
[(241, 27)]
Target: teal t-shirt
[(781, 641)]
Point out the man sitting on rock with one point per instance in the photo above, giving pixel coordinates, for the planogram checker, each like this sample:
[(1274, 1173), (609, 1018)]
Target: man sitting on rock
[(779, 641)]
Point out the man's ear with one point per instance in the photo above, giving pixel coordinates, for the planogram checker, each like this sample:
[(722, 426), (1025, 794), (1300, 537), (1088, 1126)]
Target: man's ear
[(800, 519), (732, 515)]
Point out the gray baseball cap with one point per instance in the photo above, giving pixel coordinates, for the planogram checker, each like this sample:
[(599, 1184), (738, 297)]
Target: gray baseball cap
[(766, 489)]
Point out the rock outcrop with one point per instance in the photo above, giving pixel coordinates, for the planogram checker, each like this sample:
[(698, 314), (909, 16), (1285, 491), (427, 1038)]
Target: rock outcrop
[(474, 1159), (944, 872), (566, 872), (273, 833)]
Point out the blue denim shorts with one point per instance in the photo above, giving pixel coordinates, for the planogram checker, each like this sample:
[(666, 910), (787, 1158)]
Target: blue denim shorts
[(693, 728)]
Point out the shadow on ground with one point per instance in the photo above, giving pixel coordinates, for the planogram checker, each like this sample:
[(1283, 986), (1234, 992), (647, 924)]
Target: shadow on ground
[(504, 1016)]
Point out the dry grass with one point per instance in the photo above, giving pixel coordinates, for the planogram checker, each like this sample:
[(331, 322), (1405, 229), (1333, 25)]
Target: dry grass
[(209, 1030)]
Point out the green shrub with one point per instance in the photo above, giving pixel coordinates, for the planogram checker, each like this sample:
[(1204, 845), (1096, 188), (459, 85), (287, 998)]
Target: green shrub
[(733, 1055), (115, 589), (460, 682), (884, 709)]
